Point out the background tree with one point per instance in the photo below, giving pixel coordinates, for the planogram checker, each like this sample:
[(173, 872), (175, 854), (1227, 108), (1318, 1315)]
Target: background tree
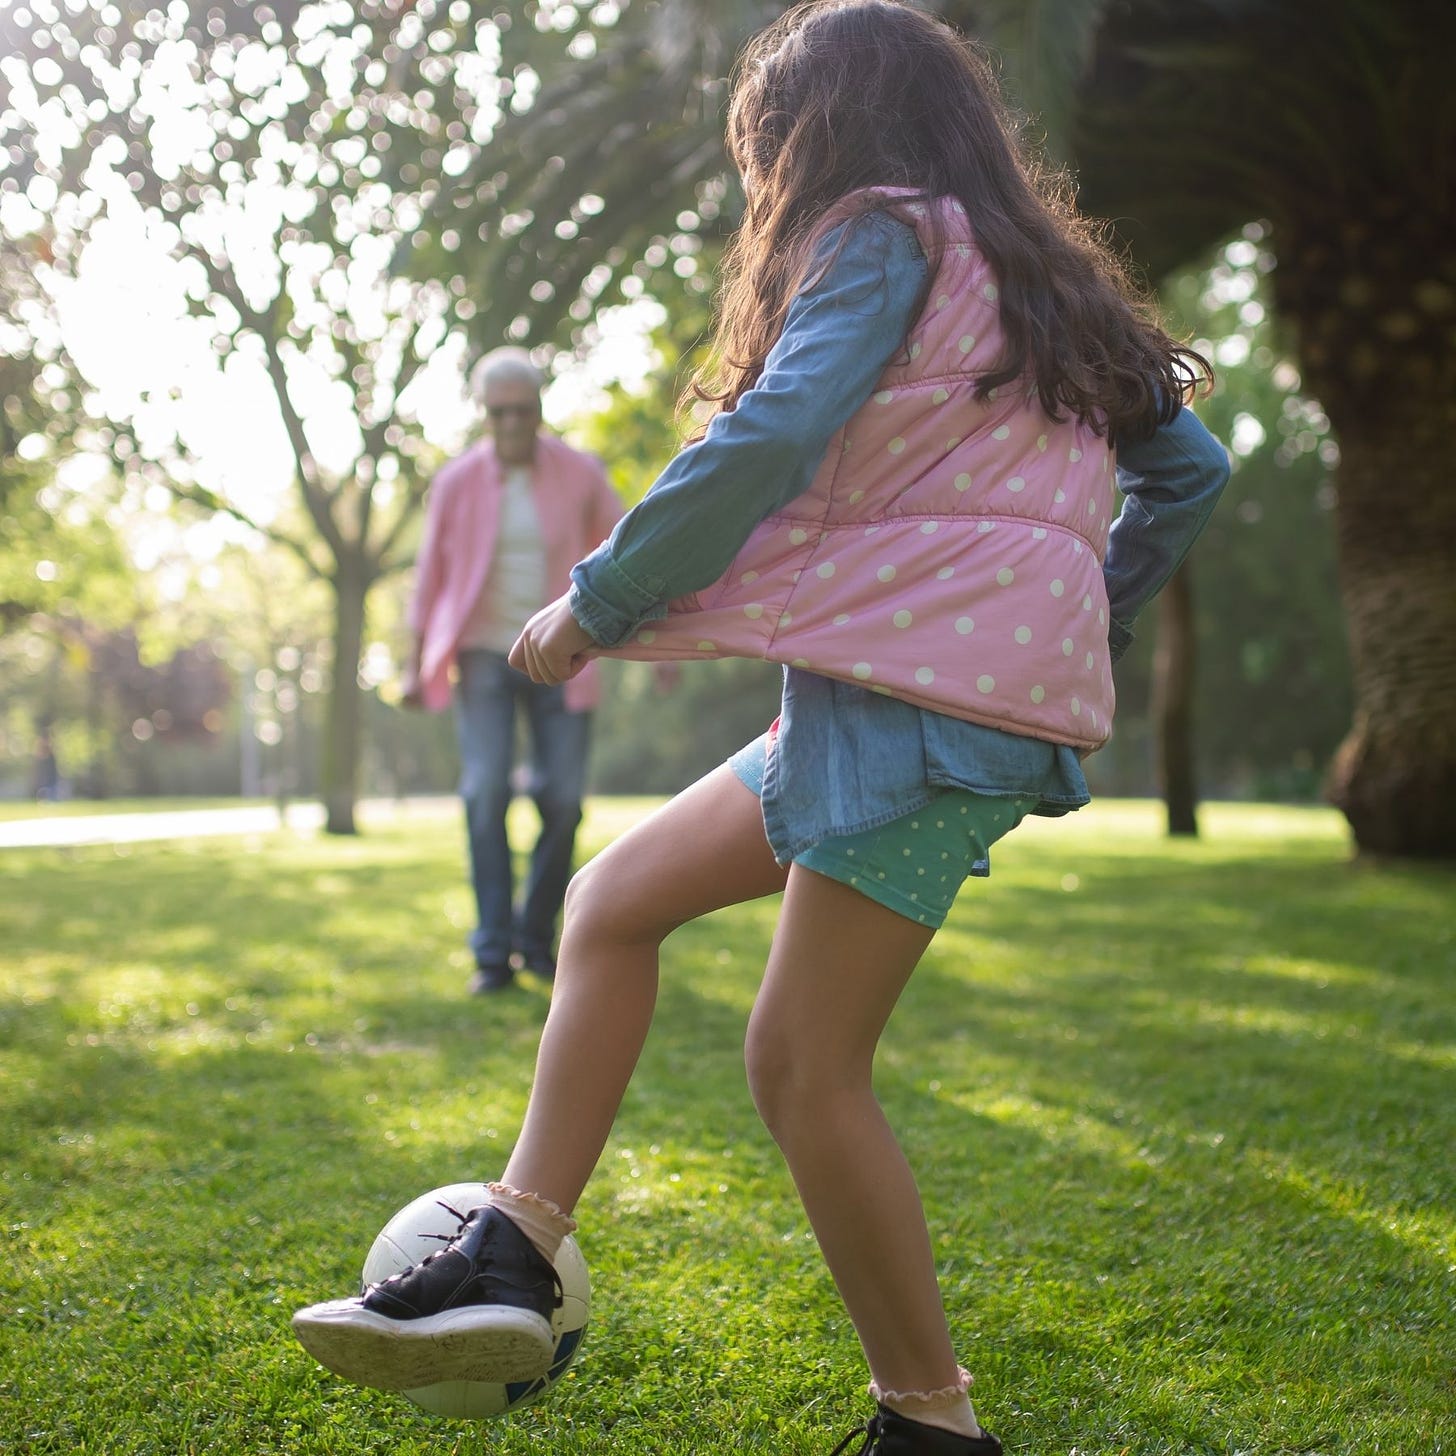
[(607, 166), (1336, 123), (67, 584), (1174, 678), (1273, 691), (246, 144), (1186, 119), (553, 153), (60, 557), (1271, 698)]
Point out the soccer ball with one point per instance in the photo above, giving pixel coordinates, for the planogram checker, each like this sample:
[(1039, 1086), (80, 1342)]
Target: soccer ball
[(421, 1228)]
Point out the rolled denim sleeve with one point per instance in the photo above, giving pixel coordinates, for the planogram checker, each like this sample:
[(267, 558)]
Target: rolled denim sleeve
[(753, 460), (1172, 482)]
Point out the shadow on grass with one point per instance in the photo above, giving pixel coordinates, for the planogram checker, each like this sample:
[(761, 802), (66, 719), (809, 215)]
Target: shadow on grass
[(1238, 1078), (1189, 1116)]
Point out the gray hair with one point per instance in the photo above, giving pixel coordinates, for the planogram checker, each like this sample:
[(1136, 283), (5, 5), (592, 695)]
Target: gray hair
[(505, 363)]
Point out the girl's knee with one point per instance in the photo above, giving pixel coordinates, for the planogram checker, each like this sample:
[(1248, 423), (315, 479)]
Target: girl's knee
[(776, 1076), (609, 904), (584, 901), (797, 1079)]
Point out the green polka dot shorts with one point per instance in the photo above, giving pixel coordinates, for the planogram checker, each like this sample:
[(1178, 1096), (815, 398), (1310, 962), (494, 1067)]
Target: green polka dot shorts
[(914, 865)]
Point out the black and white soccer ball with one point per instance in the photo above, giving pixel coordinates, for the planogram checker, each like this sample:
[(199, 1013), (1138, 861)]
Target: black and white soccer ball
[(422, 1227)]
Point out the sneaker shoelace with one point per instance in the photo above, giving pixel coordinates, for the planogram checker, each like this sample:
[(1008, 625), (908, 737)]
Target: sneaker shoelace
[(448, 1241), (871, 1434), (461, 1219)]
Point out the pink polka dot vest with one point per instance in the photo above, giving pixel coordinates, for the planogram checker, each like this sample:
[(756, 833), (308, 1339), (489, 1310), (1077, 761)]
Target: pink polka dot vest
[(949, 550)]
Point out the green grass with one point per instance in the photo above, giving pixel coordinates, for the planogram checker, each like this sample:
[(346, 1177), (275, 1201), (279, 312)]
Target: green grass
[(1183, 1116)]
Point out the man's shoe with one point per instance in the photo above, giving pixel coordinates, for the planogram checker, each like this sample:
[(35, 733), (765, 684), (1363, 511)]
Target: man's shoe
[(540, 963), (889, 1434), (480, 1309), (491, 978)]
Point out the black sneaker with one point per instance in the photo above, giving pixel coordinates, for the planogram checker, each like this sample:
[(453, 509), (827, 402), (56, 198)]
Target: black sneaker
[(540, 963), (480, 1309), (889, 1434), (491, 978)]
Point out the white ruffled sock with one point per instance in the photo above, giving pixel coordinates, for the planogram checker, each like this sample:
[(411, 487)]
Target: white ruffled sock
[(949, 1408), (538, 1218)]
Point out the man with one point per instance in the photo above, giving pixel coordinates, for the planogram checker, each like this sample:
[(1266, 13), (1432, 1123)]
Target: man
[(504, 525)]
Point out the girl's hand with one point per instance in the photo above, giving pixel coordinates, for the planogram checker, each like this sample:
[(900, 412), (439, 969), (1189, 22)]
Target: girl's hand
[(553, 645)]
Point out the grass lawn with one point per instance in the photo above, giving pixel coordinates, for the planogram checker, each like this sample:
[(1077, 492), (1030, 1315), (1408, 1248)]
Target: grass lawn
[(1184, 1117)]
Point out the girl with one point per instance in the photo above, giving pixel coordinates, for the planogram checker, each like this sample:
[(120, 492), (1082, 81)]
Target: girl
[(924, 366)]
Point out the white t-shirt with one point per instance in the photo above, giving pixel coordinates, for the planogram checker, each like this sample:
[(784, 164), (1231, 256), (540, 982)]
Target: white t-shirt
[(515, 586)]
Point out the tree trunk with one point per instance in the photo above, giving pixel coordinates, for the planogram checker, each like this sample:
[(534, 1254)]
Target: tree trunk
[(340, 756), (1374, 304), (1394, 776), (1174, 664)]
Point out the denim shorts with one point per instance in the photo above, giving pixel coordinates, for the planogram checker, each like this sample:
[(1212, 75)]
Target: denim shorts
[(913, 865)]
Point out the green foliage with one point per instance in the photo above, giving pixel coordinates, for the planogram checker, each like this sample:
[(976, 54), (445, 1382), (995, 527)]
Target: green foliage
[(526, 163), (158, 701), (647, 740), (640, 430), (59, 554), (1273, 682), (251, 169), (61, 559), (1179, 1115), (267, 166), (634, 436), (1045, 48), (1196, 118), (606, 168)]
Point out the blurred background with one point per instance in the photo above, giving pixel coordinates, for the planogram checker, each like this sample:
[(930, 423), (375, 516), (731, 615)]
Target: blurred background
[(249, 253)]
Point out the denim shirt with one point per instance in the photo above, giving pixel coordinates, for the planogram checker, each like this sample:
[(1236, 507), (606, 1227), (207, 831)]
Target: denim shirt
[(847, 758)]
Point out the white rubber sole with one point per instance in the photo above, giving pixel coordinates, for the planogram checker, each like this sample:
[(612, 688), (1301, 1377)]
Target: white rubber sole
[(494, 1343)]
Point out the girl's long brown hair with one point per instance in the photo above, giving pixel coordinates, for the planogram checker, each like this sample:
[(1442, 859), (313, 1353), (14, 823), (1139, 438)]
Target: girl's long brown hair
[(841, 95)]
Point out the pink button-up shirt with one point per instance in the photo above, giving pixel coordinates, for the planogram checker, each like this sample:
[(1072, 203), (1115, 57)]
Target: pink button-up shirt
[(577, 509)]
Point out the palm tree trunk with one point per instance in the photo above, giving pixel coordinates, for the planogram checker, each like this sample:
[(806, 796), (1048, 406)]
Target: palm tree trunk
[(340, 757), (1174, 666), (1372, 296), (1394, 777)]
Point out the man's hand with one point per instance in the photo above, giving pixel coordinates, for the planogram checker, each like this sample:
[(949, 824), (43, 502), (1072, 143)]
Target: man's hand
[(553, 646), (411, 689)]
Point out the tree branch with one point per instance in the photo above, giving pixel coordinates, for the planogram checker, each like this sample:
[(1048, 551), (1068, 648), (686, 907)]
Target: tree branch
[(315, 498), (407, 511), (200, 495)]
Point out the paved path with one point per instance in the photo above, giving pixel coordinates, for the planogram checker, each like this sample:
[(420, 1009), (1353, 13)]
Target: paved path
[(76, 829)]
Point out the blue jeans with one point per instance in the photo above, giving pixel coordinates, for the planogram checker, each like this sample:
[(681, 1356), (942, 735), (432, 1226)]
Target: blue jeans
[(487, 697)]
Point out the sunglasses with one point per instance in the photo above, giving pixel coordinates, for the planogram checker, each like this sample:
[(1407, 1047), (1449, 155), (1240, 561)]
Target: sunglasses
[(508, 411)]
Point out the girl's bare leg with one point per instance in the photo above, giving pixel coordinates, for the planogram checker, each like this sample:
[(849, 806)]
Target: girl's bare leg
[(703, 850), (838, 964)]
